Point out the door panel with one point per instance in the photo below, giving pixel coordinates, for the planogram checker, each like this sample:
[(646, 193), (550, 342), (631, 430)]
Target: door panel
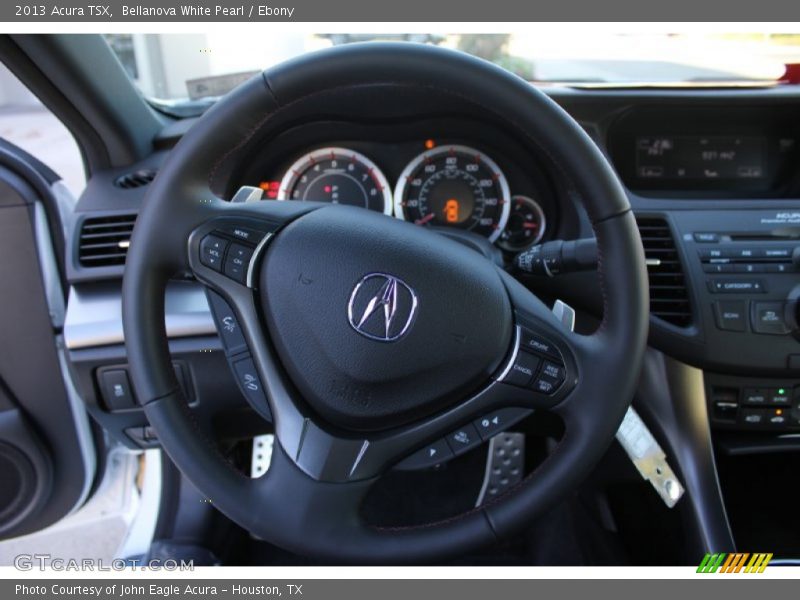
[(46, 456)]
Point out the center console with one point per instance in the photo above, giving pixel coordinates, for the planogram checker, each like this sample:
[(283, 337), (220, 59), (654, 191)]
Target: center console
[(742, 274)]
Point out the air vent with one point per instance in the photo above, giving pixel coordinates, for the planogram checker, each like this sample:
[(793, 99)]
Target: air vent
[(104, 241), (669, 298), (136, 179)]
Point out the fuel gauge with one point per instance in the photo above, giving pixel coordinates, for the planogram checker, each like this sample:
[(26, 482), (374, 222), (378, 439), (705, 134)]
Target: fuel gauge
[(526, 224)]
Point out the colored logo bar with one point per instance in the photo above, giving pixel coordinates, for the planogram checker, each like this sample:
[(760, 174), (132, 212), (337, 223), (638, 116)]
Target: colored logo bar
[(734, 563)]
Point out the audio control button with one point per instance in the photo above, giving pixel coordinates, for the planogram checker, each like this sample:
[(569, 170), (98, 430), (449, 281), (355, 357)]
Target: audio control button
[(736, 286), (731, 315), (767, 318)]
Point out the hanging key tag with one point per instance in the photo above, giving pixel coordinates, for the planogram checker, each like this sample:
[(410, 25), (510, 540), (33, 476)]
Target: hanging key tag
[(648, 457), (634, 436)]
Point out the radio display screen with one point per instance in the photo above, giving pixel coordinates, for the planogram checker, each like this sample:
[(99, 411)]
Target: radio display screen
[(701, 158)]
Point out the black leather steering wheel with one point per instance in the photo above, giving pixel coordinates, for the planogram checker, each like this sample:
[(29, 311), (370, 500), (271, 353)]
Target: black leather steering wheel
[(347, 403)]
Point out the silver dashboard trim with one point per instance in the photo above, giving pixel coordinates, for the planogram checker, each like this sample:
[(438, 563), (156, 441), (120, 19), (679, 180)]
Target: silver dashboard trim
[(54, 297), (94, 315)]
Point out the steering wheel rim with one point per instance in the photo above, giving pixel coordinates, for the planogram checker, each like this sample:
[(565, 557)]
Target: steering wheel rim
[(308, 501)]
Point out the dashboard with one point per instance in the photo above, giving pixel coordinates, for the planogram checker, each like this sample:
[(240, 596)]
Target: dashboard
[(713, 178)]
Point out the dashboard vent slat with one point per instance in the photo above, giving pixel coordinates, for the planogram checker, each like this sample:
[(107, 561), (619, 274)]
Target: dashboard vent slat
[(136, 179), (669, 298), (104, 241)]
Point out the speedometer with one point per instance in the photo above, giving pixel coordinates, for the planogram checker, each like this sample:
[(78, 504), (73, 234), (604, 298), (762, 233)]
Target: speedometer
[(454, 186), (338, 176)]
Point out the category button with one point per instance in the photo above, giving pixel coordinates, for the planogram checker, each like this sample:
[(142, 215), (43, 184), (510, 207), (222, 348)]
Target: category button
[(736, 286)]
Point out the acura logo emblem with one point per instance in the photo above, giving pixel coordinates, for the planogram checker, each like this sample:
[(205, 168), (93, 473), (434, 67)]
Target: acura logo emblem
[(382, 307)]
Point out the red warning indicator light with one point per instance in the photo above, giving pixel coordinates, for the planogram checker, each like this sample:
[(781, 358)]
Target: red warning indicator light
[(270, 188), (430, 144)]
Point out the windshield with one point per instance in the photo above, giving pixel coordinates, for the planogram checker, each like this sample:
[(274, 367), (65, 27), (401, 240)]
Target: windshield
[(185, 72)]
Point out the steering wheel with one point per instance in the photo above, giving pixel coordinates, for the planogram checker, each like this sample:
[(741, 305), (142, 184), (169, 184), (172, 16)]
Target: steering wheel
[(374, 338)]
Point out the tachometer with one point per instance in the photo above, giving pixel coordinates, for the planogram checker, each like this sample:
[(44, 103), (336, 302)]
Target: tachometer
[(454, 186), (339, 176)]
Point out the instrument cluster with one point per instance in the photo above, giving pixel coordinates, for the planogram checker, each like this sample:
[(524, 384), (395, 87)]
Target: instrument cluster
[(445, 185)]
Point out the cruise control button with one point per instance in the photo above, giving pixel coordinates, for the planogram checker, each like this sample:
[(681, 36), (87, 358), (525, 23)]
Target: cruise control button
[(523, 369), (550, 378), (499, 420), (212, 249), (546, 385), (237, 261), (554, 371), (429, 456), (464, 439), (535, 343), (731, 315)]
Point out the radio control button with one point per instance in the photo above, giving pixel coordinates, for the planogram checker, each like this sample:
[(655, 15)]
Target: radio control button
[(212, 249), (731, 315), (767, 318), (736, 286), (777, 268), (705, 237)]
